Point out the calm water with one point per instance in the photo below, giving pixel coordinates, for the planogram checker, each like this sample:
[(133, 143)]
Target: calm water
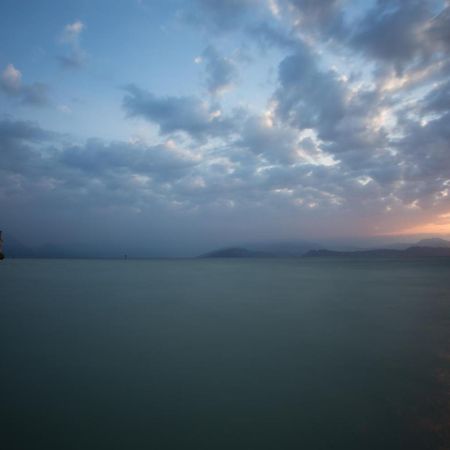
[(225, 354)]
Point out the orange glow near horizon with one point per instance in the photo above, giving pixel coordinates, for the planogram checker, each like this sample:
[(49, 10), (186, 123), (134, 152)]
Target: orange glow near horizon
[(441, 227)]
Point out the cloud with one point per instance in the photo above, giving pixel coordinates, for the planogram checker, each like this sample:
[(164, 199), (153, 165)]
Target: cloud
[(73, 60), (162, 162), (308, 97), (438, 99), (275, 144), (72, 31), (18, 143), (90, 172), (424, 150), (20, 130), (71, 37), (399, 33), (35, 94), (11, 79), (439, 29), (355, 123), (188, 114), (262, 174), (319, 16), (221, 72), (125, 175)]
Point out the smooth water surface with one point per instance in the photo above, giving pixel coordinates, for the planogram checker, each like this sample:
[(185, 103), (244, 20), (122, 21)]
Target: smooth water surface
[(225, 354)]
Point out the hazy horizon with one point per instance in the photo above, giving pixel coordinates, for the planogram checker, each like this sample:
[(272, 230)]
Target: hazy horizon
[(188, 249)]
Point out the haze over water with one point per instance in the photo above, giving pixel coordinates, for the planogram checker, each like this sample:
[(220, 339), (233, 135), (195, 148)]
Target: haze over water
[(225, 354)]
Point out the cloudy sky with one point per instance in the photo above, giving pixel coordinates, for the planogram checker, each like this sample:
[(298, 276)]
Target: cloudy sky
[(173, 126)]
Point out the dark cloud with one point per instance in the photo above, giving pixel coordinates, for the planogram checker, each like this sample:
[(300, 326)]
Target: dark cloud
[(171, 114), (20, 147), (19, 130), (398, 32), (308, 97), (439, 29), (221, 72)]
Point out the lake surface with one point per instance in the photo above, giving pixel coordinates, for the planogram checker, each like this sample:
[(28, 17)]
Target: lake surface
[(225, 354)]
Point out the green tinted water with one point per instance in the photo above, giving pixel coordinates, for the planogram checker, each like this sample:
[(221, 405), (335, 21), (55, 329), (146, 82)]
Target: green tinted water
[(225, 354)]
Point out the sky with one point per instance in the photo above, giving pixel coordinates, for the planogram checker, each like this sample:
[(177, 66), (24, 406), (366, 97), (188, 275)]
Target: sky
[(170, 127)]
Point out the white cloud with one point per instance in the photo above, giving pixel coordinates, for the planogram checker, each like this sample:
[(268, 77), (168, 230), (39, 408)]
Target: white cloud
[(75, 57), (274, 8), (11, 79), (72, 32), (65, 109), (35, 94)]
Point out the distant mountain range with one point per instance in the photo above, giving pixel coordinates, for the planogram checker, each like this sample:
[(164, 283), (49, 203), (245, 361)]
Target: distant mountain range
[(410, 252), (423, 248), (433, 242)]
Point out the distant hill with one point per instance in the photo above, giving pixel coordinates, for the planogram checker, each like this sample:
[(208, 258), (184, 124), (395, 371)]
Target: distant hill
[(275, 249), (433, 242), (363, 253), (411, 252)]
